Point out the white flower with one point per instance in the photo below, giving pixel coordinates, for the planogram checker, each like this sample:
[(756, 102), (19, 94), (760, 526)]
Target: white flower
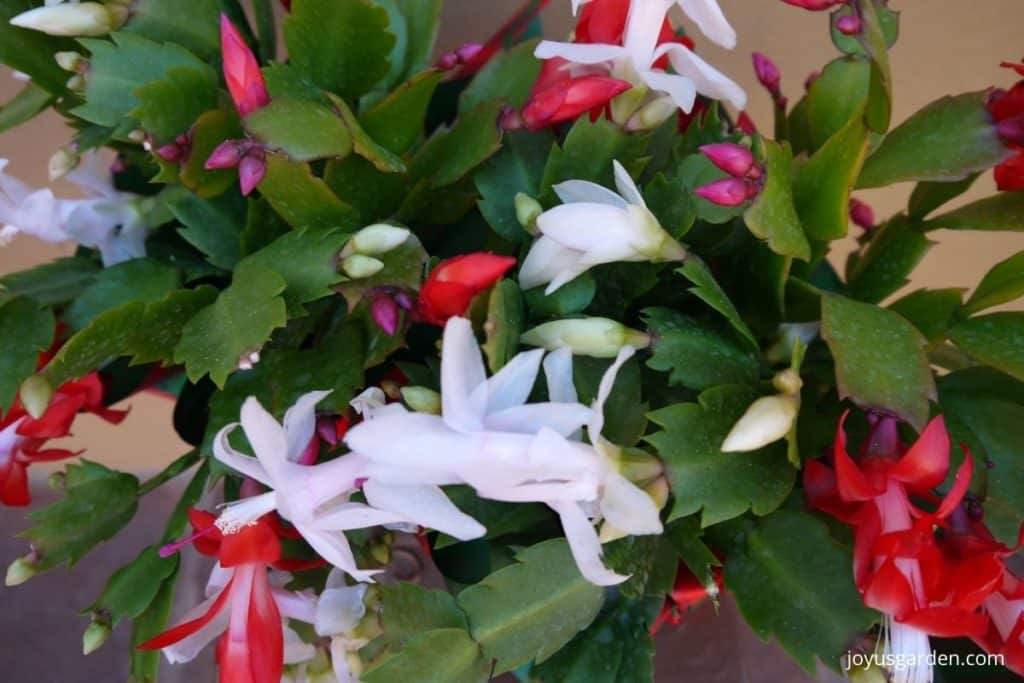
[(370, 400), (315, 499), (634, 60), (767, 420), (908, 651), (107, 219), (490, 438), (593, 226), (338, 613)]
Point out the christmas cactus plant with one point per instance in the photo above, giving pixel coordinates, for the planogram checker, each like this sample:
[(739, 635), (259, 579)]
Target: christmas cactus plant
[(559, 311)]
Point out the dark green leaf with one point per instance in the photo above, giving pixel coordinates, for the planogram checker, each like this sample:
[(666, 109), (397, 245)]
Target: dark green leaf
[(303, 130), (517, 168), (499, 518), (879, 357), (211, 225), (931, 311), (138, 280), (587, 153), (707, 289), (625, 411), (25, 331), (51, 283), (408, 610), (308, 262), (948, 140), (686, 537), (504, 324), (1002, 284), (355, 181), (1004, 211), (302, 199), (996, 340), (703, 479), (835, 97), (341, 45), (422, 22), (170, 106), (794, 582), (508, 77), (529, 610), (134, 586), (398, 120), (451, 154), (670, 200), (894, 251), (365, 146), (772, 216), (163, 321), (189, 23), (108, 335), (24, 106), (146, 663), (697, 356), (927, 197), (445, 655), (888, 19)]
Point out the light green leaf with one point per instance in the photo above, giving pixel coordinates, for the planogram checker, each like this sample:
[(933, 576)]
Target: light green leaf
[(133, 587), (932, 311), (138, 280), (303, 130), (408, 610), (30, 101), (996, 340), (170, 106), (836, 97), (102, 340), (697, 356), (772, 216), (162, 322), (382, 158), (509, 77), (1002, 284), (308, 262), (422, 22), (210, 129), (446, 655), (189, 23), (927, 197), (449, 155), (302, 199), (1004, 211), (504, 324), (26, 330)]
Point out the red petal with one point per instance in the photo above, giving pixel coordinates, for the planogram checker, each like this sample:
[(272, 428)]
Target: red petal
[(257, 543), (602, 21), (850, 481), (253, 651), (889, 591), (868, 527), (209, 543), (1009, 175), (56, 421), (241, 70), (947, 622), (14, 484), (182, 631), (975, 579), (452, 285), (961, 482), (570, 99), (924, 466)]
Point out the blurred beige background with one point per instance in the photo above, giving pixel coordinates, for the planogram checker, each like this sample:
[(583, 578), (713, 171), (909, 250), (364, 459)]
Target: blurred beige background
[(947, 46)]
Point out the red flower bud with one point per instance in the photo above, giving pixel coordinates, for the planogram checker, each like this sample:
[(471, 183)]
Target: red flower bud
[(725, 192), (241, 70), (451, 286), (569, 99), (736, 160), (746, 124)]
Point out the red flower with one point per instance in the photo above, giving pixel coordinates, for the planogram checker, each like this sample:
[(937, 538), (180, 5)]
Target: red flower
[(451, 286), (241, 70), (243, 606), (686, 592), (897, 565), (22, 437), (1007, 110), (567, 99)]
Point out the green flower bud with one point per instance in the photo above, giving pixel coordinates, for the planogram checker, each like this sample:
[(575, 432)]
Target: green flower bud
[(359, 267), (96, 634), (527, 211), (21, 570), (74, 19), (422, 400), (377, 239), (596, 337)]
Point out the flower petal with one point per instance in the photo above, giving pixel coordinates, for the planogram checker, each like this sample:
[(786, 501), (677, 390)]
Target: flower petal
[(680, 88), (243, 464), (427, 506), (300, 422), (604, 390), (711, 21), (334, 547), (628, 508), (708, 80), (925, 464), (511, 386), (627, 186), (340, 609), (546, 261), (563, 418), (558, 373), (573, 191), (577, 53), (584, 544), (462, 371), (266, 437)]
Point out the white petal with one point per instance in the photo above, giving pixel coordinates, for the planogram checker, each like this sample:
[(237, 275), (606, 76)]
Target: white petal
[(680, 88), (579, 53), (369, 402), (339, 662), (643, 28), (219, 578), (597, 230), (627, 186), (558, 372), (604, 390), (186, 649), (348, 516), (547, 260), (563, 418), (266, 437), (246, 511), (512, 385), (628, 508), (427, 506), (300, 422), (409, 440), (93, 176), (541, 493), (340, 610), (296, 650), (301, 606), (462, 371), (573, 191), (711, 21), (584, 544), (709, 81), (334, 547), (243, 464), (566, 276)]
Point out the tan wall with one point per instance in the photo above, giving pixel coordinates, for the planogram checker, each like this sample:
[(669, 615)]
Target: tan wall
[(947, 46)]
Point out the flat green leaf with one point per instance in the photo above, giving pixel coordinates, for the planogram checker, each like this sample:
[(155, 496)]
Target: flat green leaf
[(445, 655), (98, 502), (398, 120), (303, 130), (874, 41), (625, 411), (103, 339), (308, 262), (31, 52), (696, 354), (189, 23), (138, 280), (449, 155), (707, 289), (238, 322), (118, 68), (587, 153), (504, 324), (927, 197), (703, 479), (408, 610), (340, 45), (133, 587), (210, 129), (374, 194), (772, 216), (570, 299), (885, 266), (145, 664), (302, 199), (649, 561), (1004, 211), (996, 339), (1002, 284), (170, 106), (879, 357), (686, 536), (211, 225), (931, 311), (24, 106), (835, 97), (529, 610), (672, 204), (26, 330), (792, 581), (422, 23), (517, 168), (509, 77), (162, 322), (381, 157), (947, 140)]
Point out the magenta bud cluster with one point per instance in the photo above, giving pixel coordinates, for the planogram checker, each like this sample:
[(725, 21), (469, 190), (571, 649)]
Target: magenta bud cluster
[(386, 307), (460, 56), (747, 177), (250, 158), (177, 151)]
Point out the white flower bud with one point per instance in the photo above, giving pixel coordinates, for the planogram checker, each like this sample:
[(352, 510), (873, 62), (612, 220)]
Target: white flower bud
[(767, 420), (422, 400), (61, 163), (359, 267), (70, 61), (36, 393), (652, 115), (20, 571), (788, 382), (527, 211), (596, 337), (377, 239), (72, 19)]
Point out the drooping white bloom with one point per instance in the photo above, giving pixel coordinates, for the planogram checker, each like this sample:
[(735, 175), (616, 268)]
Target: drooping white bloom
[(490, 438), (108, 220), (338, 613), (635, 59), (593, 226), (315, 499)]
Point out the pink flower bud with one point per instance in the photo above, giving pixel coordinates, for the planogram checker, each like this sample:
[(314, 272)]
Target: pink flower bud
[(241, 70), (809, 81), (226, 155), (569, 99), (468, 52), (767, 73), (736, 160), (861, 214), (385, 313), (448, 61), (1012, 129), (849, 24), (251, 171), (171, 153), (814, 5), (724, 192), (746, 124)]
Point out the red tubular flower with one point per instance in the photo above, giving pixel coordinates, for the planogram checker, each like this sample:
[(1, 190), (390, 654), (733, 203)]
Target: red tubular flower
[(241, 70), (686, 593), (1007, 110), (452, 285), (568, 99)]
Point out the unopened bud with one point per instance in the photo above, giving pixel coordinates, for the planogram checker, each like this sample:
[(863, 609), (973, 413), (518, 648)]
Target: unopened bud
[(226, 155), (767, 420), (96, 634), (422, 400), (767, 73), (725, 192), (61, 163), (76, 83), (639, 466), (595, 337), (73, 19), (377, 239), (137, 136), (528, 210), (736, 160), (849, 24), (359, 267), (251, 170), (862, 215), (248, 360), (866, 674), (788, 382), (71, 61), (21, 570), (658, 490), (652, 115), (36, 393), (385, 313), (468, 52), (57, 481)]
